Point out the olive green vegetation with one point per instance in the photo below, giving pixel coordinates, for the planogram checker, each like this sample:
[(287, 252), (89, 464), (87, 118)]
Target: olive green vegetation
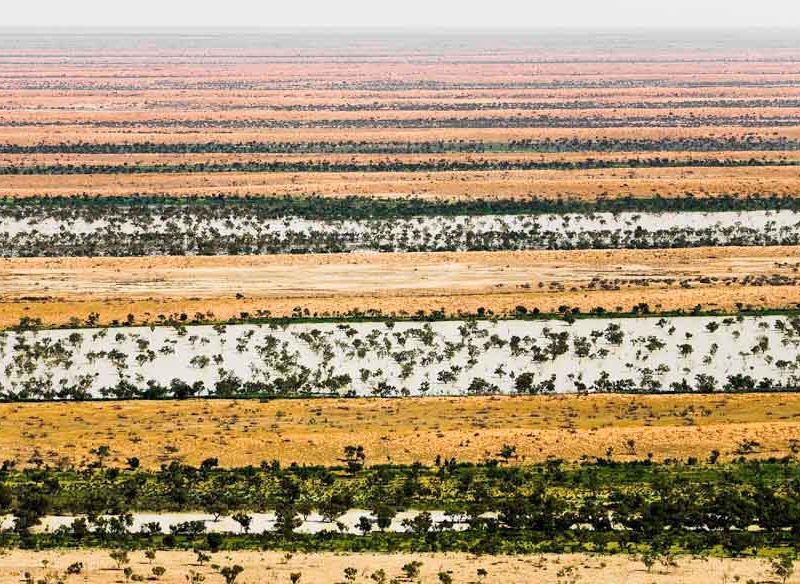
[(741, 508), (94, 207), (547, 145)]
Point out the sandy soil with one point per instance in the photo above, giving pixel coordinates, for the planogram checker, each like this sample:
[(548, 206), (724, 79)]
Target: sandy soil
[(56, 135), (400, 431), (686, 158), (327, 567), (56, 289), (136, 70), (181, 119), (586, 184)]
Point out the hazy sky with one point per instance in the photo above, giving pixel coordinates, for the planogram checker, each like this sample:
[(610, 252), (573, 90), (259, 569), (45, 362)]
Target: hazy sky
[(404, 13)]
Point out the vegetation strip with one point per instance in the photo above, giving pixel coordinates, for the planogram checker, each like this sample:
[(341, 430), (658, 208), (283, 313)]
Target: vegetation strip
[(541, 121), (405, 359), (558, 145), (184, 230), (300, 315), (96, 207), (606, 506), (388, 166), (498, 105)]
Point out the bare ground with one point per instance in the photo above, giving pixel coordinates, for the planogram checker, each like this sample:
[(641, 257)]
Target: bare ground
[(466, 185), (56, 289), (327, 567)]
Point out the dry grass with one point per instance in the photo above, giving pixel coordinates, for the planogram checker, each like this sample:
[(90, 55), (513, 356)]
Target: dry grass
[(584, 184), (55, 135), (181, 119), (59, 312), (399, 431), (325, 568), (365, 159)]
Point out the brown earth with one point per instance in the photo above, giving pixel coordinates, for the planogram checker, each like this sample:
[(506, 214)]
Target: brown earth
[(140, 73), (180, 118), (749, 158), (55, 135), (33, 100), (315, 431), (582, 184)]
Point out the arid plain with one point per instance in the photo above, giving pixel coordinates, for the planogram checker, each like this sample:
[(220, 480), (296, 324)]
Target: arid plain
[(527, 304)]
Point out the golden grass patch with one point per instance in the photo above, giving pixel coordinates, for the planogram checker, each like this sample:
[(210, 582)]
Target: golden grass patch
[(315, 431)]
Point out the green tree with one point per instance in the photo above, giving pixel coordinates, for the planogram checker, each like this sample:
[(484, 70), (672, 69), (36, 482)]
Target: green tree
[(354, 458), (243, 520), (782, 566), (231, 573), (411, 569), (120, 557)]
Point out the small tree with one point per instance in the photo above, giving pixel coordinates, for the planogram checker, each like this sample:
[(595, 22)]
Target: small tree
[(782, 566), (209, 464), (202, 557), (120, 558), (286, 519), (364, 524), (354, 458), (217, 506), (411, 569), (384, 516), (214, 541), (101, 452), (648, 558), (507, 452), (75, 568), (243, 520), (230, 573), (420, 524)]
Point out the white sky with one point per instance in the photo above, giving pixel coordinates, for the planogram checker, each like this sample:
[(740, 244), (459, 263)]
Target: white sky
[(404, 13)]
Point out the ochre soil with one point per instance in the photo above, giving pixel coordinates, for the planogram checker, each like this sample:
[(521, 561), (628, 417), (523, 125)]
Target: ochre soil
[(315, 431)]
